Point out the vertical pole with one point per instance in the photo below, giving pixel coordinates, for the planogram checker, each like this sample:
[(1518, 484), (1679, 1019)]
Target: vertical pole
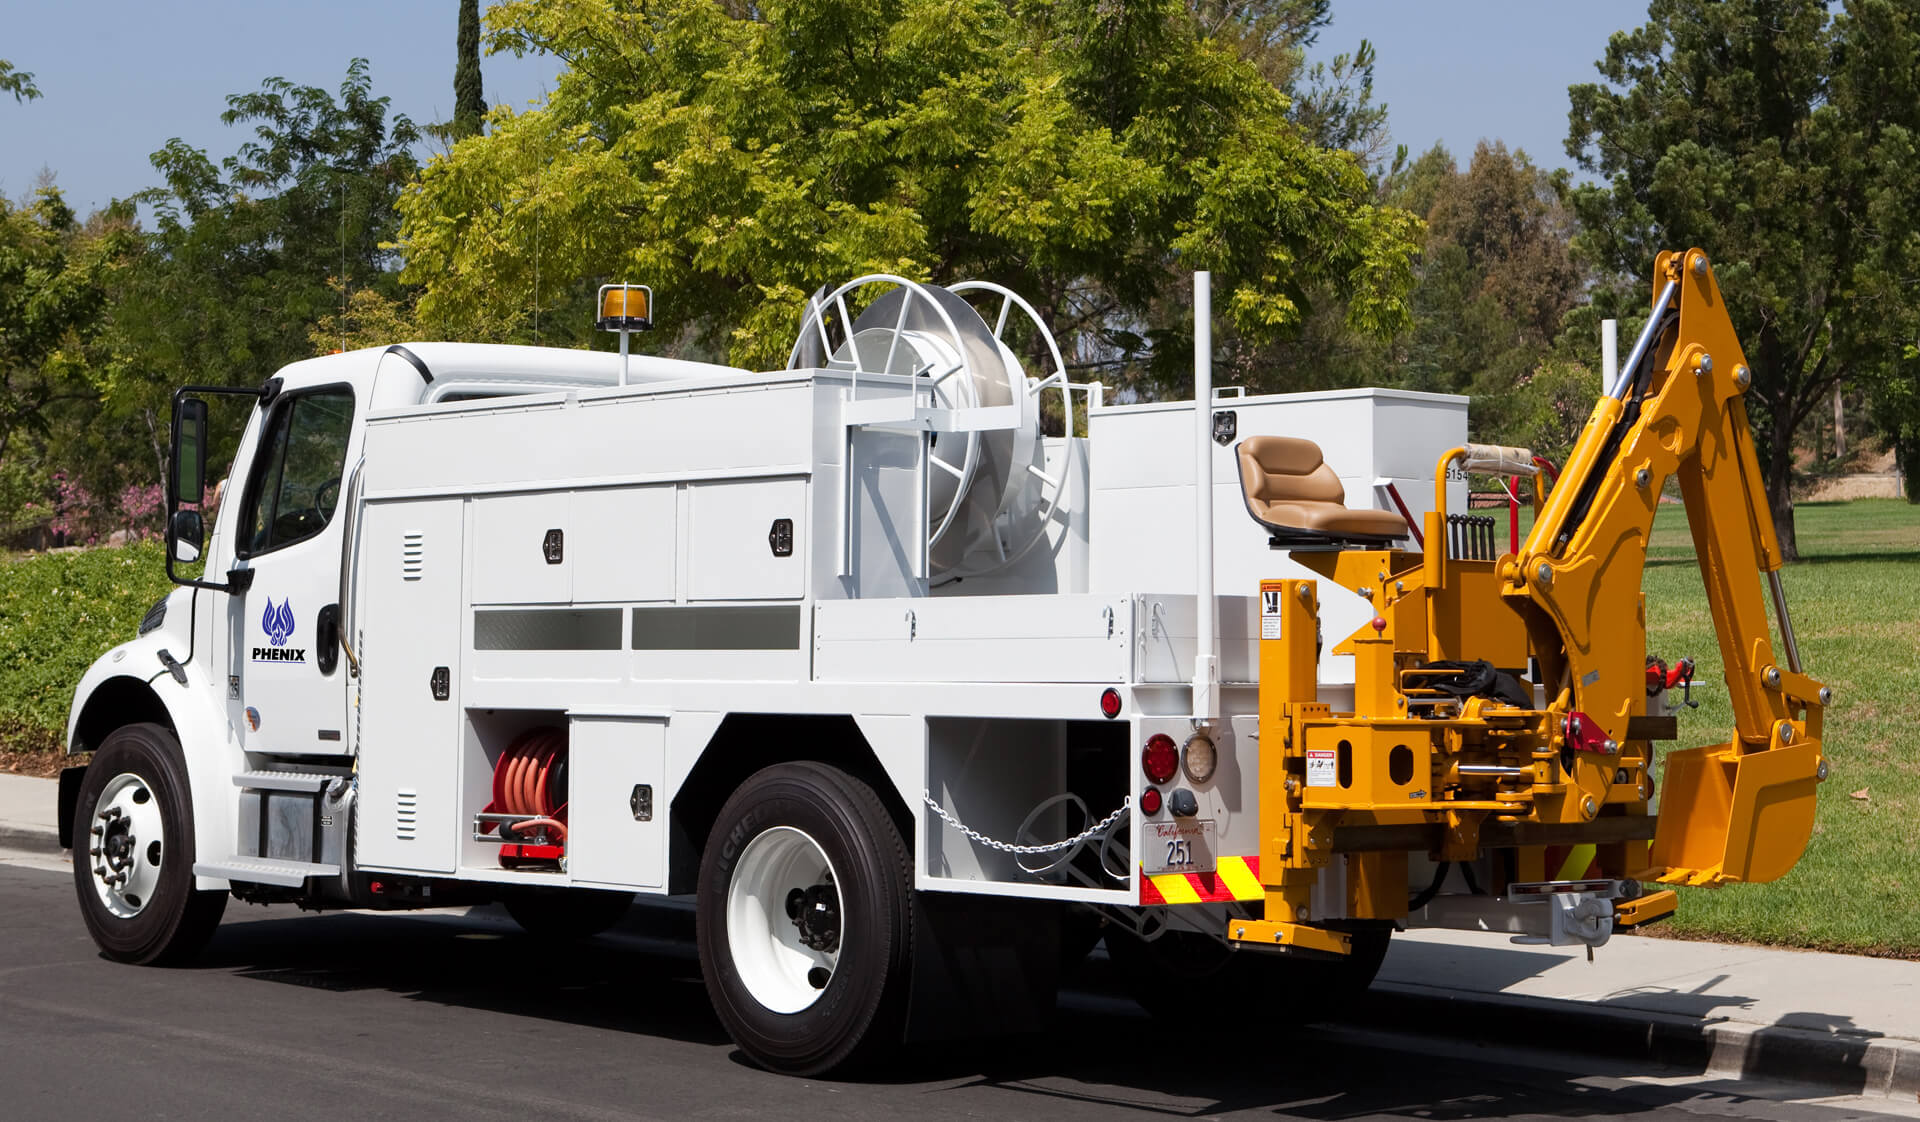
[(623, 352), (1839, 426), (1609, 352), (1206, 665)]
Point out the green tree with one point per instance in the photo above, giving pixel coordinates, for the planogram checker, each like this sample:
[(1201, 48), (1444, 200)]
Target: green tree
[(1496, 276), (55, 273), (1876, 88), (737, 158), (1762, 131), (249, 253), (469, 103), (19, 83)]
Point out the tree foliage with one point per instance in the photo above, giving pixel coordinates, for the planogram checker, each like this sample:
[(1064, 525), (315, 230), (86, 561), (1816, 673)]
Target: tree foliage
[(55, 275), (1779, 137), (247, 254), (469, 103), (1087, 154), (1496, 275), (19, 83)]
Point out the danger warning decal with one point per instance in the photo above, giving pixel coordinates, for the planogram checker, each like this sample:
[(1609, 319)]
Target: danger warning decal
[(1270, 613)]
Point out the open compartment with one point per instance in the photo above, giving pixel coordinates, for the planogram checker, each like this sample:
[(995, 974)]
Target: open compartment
[(514, 789), (1025, 782)]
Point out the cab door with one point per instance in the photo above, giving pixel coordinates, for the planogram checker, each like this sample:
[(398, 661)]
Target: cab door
[(286, 679)]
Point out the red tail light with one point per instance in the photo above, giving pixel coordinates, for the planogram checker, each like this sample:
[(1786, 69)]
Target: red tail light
[(1160, 758), (1150, 801), (1110, 702)]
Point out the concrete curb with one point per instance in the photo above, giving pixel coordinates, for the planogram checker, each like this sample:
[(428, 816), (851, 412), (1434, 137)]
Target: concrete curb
[(29, 838), (1848, 1063)]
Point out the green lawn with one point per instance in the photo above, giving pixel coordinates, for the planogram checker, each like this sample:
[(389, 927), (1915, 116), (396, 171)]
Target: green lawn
[(1855, 599)]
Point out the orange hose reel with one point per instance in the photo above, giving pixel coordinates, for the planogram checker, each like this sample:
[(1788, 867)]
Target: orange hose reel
[(530, 779)]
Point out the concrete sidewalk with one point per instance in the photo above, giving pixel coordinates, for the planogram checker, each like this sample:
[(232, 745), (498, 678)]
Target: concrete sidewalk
[(1842, 1021), (1839, 1021), (29, 813)]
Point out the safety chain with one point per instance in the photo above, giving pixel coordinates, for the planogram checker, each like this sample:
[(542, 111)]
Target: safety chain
[(1031, 850)]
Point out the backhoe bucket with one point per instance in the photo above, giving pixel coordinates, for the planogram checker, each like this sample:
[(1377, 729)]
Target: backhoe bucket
[(1728, 815)]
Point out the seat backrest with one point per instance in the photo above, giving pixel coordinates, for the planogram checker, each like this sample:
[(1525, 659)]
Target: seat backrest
[(1285, 469)]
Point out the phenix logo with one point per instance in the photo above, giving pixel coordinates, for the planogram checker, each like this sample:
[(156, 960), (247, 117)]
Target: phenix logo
[(277, 622)]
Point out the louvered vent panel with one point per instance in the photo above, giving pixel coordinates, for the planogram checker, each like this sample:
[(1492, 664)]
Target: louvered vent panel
[(406, 814), (413, 555)]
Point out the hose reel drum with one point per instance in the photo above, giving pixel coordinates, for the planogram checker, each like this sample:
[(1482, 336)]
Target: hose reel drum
[(990, 494)]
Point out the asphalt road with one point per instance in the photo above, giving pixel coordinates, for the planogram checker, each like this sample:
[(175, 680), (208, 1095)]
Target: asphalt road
[(342, 1016)]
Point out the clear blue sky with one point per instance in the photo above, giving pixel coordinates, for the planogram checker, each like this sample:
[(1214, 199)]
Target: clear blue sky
[(1460, 71), (121, 78)]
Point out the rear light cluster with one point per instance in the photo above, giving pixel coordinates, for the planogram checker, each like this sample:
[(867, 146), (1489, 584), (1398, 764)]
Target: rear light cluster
[(1162, 761)]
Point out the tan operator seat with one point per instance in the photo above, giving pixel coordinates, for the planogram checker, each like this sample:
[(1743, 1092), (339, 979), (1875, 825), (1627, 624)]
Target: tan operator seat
[(1293, 493)]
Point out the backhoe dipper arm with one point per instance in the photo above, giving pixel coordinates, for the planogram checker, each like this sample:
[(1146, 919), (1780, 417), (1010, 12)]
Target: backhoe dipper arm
[(1738, 811)]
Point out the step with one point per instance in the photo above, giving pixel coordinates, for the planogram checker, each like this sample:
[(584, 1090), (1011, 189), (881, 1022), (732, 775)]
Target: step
[(264, 870), (308, 782)]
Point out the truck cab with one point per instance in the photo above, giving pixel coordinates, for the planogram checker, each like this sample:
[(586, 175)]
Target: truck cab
[(252, 642)]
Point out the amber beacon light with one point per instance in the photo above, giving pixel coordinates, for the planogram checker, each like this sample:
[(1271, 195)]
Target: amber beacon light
[(625, 308)]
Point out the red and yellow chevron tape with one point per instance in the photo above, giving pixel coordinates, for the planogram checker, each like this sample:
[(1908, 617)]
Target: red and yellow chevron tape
[(1233, 878)]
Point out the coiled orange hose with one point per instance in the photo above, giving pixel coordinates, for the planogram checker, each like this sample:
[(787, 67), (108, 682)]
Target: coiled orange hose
[(527, 780)]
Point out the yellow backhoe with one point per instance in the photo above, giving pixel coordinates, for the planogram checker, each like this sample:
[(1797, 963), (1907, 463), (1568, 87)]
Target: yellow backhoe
[(1505, 703)]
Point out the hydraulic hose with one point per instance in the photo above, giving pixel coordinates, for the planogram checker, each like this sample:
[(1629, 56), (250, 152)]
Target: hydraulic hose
[(1428, 893)]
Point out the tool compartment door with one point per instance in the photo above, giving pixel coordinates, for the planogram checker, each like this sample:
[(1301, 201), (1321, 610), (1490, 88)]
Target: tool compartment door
[(406, 608), (617, 810)]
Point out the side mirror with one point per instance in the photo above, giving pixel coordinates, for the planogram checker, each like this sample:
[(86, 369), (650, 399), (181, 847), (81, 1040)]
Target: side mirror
[(188, 479), (186, 535)]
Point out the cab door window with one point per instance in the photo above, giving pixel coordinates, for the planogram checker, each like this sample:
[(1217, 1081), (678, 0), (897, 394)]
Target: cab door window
[(296, 483)]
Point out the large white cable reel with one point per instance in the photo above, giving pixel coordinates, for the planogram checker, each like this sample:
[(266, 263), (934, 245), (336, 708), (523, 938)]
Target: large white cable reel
[(930, 334), (1033, 496)]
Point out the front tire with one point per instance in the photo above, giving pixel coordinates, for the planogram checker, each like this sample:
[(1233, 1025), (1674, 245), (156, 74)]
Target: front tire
[(133, 852), (804, 921)]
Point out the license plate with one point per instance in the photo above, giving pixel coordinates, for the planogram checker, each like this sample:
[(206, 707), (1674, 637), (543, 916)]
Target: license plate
[(1181, 846)]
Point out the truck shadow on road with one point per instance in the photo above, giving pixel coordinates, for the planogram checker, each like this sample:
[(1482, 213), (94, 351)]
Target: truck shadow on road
[(1101, 1056), (480, 963)]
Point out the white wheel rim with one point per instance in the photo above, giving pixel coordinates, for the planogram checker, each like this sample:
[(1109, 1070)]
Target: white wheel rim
[(773, 961), (127, 845)]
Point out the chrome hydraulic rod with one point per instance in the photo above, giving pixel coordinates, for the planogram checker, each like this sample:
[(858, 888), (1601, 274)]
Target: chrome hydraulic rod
[(1640, 345), (1786, 621)]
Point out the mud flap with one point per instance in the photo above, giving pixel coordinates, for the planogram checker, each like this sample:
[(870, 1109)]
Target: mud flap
[(1728, 815)]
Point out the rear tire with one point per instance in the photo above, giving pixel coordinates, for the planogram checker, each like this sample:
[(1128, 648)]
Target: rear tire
[(804, 920), (133, 851), (1183, 970), (567, 913)]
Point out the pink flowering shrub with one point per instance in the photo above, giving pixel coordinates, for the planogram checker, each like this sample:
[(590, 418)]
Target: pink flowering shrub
[(140, 510), (74, 519)]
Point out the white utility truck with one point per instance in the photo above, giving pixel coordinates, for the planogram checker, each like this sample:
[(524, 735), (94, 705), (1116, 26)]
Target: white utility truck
[(915, 700)]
